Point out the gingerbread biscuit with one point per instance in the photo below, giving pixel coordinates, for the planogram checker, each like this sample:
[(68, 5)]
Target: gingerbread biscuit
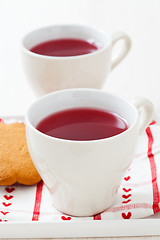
[(15, 162)]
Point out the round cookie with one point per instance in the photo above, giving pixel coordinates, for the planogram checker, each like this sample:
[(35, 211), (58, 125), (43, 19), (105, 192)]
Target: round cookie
[(15, 162)]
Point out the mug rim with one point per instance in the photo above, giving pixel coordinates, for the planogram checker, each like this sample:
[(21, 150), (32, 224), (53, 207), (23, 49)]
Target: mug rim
[(29, 123), (97, 29)]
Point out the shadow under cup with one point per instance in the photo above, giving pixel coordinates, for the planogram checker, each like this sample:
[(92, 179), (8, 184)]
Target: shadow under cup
[(82, 176)]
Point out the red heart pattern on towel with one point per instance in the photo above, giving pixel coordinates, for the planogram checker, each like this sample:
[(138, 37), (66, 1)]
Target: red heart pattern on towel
[(4, 213), (127, 216), (6, 204), (127, 178), (66, 218), (127, 201), (126, 196), (127, 190), (8, 197), (9, 190)]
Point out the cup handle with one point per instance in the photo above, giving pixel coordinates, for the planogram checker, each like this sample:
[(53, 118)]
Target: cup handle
[(145, 109), (124, 50)]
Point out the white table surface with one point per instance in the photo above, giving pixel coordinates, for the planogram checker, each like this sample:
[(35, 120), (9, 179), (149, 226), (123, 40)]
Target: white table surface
[(139, 74)]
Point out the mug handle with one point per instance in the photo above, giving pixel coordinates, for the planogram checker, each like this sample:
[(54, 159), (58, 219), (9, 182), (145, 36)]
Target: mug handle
[(125, 49), (145, 109)]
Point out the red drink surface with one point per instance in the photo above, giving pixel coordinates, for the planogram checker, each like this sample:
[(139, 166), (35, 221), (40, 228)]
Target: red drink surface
[(82, 124), (64, 47)]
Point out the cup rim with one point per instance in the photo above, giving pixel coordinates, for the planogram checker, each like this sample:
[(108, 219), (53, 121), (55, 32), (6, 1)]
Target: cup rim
[(66, 57), (28, 122)]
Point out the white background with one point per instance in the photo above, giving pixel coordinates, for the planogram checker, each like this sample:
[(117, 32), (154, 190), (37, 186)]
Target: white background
[(138, 74)]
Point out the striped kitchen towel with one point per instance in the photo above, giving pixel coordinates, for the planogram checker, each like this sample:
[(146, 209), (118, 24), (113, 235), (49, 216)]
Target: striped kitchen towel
[(137, 197)]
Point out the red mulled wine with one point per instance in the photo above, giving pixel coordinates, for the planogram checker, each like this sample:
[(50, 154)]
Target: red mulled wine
[(82, 124), (64, 47)]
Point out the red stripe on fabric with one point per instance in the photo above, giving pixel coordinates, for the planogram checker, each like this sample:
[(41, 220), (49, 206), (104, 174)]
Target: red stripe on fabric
[(144, 153), (153, 172), (153, 122), (37, 205), (97, 217), (129, 206)]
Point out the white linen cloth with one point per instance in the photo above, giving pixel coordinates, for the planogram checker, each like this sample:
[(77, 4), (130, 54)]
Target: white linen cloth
[(137, 197)]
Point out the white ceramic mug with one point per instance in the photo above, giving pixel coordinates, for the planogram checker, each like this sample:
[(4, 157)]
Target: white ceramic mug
[(48, 73), (83, 176)]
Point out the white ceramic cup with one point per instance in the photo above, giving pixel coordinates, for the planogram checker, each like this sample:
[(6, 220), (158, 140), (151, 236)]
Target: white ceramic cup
[(83, 176), (47, 73)]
